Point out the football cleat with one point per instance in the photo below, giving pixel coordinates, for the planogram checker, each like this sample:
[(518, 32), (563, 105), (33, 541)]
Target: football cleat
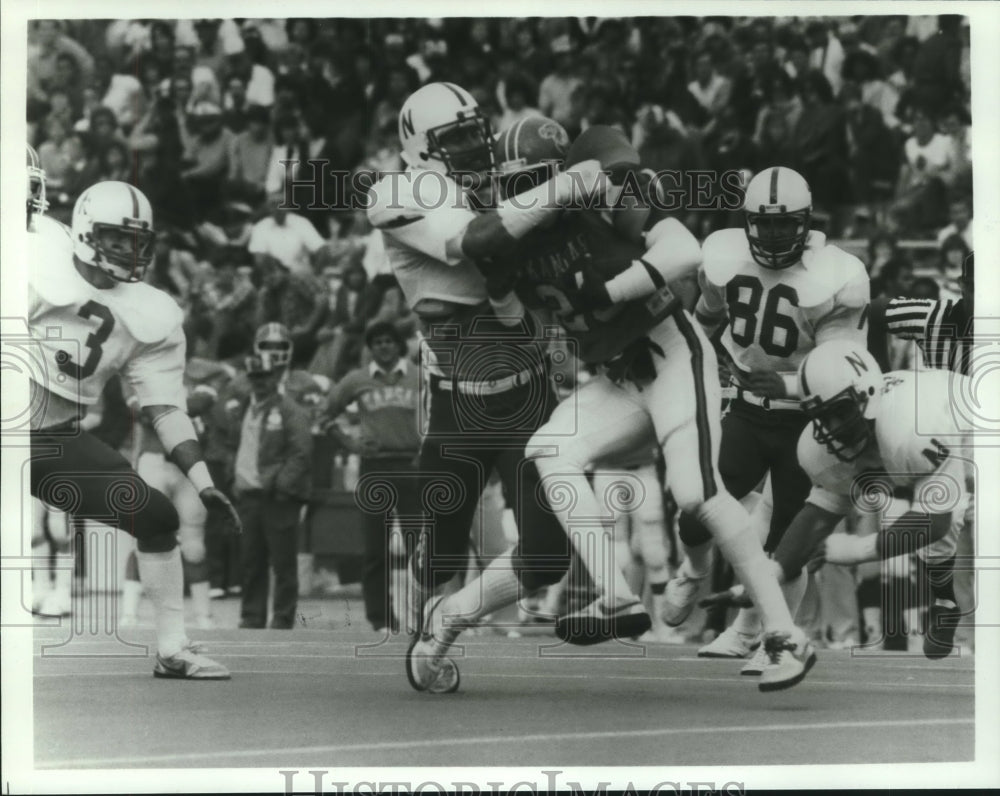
[(426, 668), (730, 643), (939, 640), (679, 597), (789, 657), (596, 623), (188, 664), (756, 665), (735, 597), (662, 634), (842, 548)]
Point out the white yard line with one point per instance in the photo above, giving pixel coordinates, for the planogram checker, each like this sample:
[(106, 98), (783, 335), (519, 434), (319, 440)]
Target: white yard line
[(445, 743)]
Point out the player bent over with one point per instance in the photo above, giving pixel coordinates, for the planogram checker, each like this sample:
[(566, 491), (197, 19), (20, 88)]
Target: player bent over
[(87, 287), (871, 432)]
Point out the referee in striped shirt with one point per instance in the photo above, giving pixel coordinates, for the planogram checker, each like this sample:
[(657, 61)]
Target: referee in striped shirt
[(944, 331)]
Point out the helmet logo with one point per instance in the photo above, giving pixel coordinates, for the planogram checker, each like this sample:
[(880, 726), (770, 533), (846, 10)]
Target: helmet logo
[(554, 132), (406, 121), (856, 362)]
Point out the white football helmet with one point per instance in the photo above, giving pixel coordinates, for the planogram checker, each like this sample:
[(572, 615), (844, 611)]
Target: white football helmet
[(113, 230), (273, 341), (841, 387), (778, 205), (442, 128), (36, 185)]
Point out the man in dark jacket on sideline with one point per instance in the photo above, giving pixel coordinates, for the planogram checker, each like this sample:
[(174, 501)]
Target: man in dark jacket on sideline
[(271, 483)]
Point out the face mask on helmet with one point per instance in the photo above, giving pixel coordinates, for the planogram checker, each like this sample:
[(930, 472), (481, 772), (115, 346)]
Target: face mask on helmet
[(274, 343), (839, 423), (463, 145), (777, 240), (123, 252), (37, 202)]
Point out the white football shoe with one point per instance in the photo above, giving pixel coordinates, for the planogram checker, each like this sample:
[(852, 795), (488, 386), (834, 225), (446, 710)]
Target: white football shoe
[(598, 622), (189, 665), (427, 668), (679, 597), (730, 643), (55, 604), (755, 666), (790, 657)]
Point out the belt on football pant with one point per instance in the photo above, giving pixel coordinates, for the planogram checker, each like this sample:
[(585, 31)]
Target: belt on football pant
[(768, 404), (489, 386)]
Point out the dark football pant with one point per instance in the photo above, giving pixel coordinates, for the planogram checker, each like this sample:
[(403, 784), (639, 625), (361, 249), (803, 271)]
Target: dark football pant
[(754, 442), (84, 477), (468, 437)]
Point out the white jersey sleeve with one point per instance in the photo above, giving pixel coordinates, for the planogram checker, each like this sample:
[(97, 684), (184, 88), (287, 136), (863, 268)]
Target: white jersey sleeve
[(155, 372), (845, 314), (711, 307), (831, 478), (424, 211)]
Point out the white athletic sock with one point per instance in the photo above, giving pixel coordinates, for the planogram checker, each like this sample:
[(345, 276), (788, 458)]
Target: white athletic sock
[(163, 580), (697, 560), (747, 621), (496, 588), (730, 526), (200, 599), (131, 596)]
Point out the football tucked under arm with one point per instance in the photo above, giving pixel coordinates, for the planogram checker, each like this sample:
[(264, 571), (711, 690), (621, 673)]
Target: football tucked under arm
[(672, 253)]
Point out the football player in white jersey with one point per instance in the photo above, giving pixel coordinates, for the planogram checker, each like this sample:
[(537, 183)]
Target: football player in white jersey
[(609, 287), (92, 318), (485, 400), (871, 432), (781, 289)]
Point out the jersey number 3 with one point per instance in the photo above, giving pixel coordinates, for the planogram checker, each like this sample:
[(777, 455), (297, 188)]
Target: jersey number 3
[(93, 343), (744, 306)]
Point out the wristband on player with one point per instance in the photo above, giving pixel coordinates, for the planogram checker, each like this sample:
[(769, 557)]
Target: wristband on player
[(508, 309), (638, 280), (200, 477)]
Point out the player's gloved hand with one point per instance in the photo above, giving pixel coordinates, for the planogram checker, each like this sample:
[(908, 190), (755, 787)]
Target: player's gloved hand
[(592, 287), (220, 510), (764, 383), (581, 184)]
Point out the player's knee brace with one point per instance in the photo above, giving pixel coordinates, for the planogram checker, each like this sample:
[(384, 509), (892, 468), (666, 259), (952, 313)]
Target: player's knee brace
[(723, 516), (691, 531)]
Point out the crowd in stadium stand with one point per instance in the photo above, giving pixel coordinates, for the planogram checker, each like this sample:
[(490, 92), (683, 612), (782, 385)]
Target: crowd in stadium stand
[(200, 114)]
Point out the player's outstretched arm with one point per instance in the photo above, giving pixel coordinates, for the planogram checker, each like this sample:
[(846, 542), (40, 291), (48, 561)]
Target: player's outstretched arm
[(176, 432), (672, 253), (496, 231), (804, 535)]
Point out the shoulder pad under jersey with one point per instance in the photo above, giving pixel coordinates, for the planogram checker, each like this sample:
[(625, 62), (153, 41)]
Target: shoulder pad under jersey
[(724, 254), (399, 199), (828, 268), (148, 313)]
